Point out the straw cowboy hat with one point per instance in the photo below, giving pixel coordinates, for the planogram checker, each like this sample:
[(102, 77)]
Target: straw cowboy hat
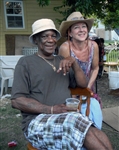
[(73, 18), (43, 25)]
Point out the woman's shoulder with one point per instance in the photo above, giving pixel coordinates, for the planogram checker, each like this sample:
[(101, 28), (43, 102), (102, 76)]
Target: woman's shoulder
[(93, 44), (64, 49), (65, 44)]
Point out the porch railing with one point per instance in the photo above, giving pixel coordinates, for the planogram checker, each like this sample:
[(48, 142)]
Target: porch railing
[(29, 50)]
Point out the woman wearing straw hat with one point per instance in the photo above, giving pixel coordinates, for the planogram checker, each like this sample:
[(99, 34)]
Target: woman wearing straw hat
[(41, 85), (85, 51)]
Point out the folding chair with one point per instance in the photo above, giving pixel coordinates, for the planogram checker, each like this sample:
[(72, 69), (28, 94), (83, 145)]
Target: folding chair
[(4, 76), (75, 91), (112, 60)]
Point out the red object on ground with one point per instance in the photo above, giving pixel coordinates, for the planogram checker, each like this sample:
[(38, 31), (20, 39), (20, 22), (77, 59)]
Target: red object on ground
[(12, 144)]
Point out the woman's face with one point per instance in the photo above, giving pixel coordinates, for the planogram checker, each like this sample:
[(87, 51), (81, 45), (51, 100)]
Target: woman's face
[(79, 31)]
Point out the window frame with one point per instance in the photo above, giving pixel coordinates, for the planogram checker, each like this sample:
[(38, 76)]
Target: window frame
[(14, 15)]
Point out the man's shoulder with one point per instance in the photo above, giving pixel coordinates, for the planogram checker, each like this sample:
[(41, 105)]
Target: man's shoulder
[(28, 58), (59, 57)]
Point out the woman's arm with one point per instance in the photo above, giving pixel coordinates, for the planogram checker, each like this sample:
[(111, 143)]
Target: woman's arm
[(79, 74), (95, 66)]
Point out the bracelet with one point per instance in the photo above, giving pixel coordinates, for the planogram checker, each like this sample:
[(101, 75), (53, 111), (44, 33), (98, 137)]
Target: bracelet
[(51, 109)]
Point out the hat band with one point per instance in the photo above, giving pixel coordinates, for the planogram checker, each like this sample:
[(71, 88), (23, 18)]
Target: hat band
[(77, 18)]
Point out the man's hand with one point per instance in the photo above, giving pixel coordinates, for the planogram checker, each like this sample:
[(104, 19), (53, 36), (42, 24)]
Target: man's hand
[(62, 109), (66, 64)]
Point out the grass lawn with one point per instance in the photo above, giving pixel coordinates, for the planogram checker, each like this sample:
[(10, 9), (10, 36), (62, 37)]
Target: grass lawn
[(10, 129)]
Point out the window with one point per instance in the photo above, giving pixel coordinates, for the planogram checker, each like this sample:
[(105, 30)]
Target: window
[(14, 14)]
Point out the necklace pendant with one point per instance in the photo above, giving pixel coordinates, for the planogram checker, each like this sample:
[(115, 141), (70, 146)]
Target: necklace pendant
[(54, 68)]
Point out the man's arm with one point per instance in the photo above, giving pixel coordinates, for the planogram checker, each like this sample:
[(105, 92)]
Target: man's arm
[(32, 106)]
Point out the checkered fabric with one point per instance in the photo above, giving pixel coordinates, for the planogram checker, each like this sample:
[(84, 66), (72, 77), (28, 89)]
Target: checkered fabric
[(64, 131)]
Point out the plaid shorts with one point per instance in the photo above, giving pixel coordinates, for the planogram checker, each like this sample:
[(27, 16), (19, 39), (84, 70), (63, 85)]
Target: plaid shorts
[(64, 131)]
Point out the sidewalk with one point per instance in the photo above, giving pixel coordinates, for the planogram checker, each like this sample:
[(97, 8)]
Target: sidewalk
[(111, 117)]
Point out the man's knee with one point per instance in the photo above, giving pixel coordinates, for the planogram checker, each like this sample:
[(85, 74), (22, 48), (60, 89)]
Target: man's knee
[(91, 132), (96, 139)]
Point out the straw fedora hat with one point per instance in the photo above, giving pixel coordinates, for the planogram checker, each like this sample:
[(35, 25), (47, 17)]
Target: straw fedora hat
[(73, 18), (43, 25)]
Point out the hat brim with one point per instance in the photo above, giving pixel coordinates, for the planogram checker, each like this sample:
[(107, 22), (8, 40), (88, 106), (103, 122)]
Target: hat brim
[(66, 24), (38, 31)]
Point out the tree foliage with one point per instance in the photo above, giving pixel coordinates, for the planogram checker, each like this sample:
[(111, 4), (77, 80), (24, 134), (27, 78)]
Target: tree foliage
[(105, 10)]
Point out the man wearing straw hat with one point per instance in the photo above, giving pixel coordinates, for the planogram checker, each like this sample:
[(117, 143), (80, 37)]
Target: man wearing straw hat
[(41, 85)]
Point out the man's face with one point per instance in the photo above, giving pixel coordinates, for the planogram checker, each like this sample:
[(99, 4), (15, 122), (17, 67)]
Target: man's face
[(46, 42)]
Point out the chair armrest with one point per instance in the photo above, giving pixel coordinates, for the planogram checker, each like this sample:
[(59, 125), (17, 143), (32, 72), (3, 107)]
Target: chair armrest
[(81, 91)]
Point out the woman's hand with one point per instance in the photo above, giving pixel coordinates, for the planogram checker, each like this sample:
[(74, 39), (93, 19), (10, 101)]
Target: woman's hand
[(66, 64)]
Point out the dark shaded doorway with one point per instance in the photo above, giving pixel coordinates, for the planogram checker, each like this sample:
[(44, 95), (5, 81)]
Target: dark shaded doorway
[(10, 44)]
